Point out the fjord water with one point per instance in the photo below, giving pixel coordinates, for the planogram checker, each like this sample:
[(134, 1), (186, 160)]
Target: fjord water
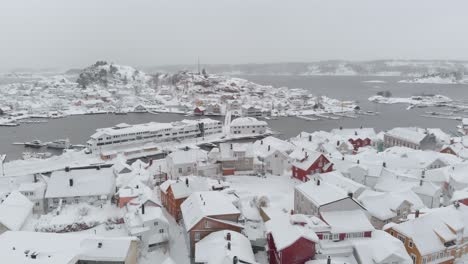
[(79, 128)]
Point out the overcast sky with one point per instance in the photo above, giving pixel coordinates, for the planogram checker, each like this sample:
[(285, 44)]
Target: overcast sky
[(66, 33)]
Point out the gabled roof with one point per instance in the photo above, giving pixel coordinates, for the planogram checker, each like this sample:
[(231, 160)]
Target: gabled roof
[(205, 204), (89, 182), (322, 194), (309, 158), (384, 205), (347, 221), (287, 229), (213, 249), (427, 230), (382, 248), (407, 134)]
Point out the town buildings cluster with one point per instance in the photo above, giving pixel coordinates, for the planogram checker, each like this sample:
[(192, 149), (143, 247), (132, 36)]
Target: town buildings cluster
[(350, 195)]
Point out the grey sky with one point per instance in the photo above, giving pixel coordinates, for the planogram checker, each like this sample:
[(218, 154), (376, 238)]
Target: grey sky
[(65, 33)]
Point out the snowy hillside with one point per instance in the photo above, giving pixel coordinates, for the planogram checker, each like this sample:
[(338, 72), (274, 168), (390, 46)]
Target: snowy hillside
[(108, 74)]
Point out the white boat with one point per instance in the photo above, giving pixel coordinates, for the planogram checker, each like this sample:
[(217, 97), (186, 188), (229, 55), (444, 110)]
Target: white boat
[(59, 144), (34, 144)]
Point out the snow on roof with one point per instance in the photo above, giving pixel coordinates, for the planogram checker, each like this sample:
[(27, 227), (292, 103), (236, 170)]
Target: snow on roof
[(188, 156), (53, 248), (308, 158), (136, 220), (213, 248), (89, 182), (205, 204), (181, 190), (287, 229), (228, 150), (149, 127), (15, 210), (384, 205), (246, 121), (347, 221), (275, 144), (336, 178), (355, 133), (322, 194), (465, 121), (429, 229), (382, 248), (410, 134)]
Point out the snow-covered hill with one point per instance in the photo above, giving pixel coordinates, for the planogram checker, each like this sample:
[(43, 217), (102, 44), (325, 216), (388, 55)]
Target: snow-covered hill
[(108, 74)]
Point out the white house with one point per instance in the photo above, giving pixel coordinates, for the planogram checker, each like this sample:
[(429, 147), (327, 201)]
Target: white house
[(390, 206), (75, 186), (314, 197), (148, 223), (247, 126), (272, 155), (186, 162), (14, 211)]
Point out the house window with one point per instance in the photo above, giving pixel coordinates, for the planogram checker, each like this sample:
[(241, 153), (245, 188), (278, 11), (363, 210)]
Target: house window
[(410, 244), (402, 239), (180, 170), (161, 231), (207, 224), (413, 257), (197, 236), (155, 223)]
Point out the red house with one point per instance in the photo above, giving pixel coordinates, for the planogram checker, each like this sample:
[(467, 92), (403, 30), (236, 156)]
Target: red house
[(200, 110), (309, 162), (290, 240), (358, 137)]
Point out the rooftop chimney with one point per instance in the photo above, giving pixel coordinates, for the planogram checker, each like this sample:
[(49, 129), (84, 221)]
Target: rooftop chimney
[(98, 167), (384, 164), (186, 182), (235, 260), (342, 158), (355, 133), (143, 209), (70, 181), (67, 169), (310, 137), (350, 194), (229, 246), (341, 128), (328, 260), (35, 178), (337, 143), (456, 204), (99, 245), (416, 214), (269, 147), (261, 142), (358, 161), (231, 145), (318, 182), (228, 236)]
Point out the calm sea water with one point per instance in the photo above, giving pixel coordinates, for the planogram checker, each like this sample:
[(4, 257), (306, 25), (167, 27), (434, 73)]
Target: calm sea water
[(79, 128)]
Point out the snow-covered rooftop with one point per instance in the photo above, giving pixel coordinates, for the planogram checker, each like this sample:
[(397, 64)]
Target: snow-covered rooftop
[(15, 210), (53, 248), (88, 182), (287, 229), (247, 121), (322, 193), (205, 204), (213, 249)]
